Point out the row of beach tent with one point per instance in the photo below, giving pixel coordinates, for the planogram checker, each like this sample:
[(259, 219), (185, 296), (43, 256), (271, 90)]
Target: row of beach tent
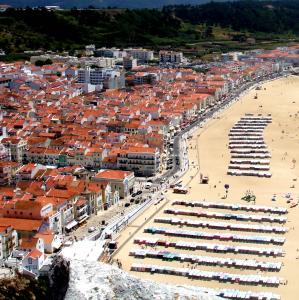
[(246, 160), (250, 165), (209, 247), (223, 225), (253, 279), (232, 206), (227, 216), (216, 236), (251, 156), (208, 260), (246, 142), (265, 174)]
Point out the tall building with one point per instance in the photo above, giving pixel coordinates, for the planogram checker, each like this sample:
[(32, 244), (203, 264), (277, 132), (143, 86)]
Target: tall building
[(8, 241), (171, 57), (16, 146), (142, 55), (129, 63), (109, 52), (109, 78), (142, 161)]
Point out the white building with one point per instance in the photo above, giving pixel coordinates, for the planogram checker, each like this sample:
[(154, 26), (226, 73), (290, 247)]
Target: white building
[(89, 49), (33, 262), (141, 160), (129, 63), (171, 57), (120, 181), (142, 55), (109, 78), (52, 241), (16, 147), (100, 62), (8, 241), (110, 52)]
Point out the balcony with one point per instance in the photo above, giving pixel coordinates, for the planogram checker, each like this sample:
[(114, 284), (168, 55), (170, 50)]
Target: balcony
[(82, 218), (81, 209), (141, 158), (141, 163)]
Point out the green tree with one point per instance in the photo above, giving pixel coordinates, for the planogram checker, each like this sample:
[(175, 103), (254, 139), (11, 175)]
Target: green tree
[(40, 63), (208, 33)]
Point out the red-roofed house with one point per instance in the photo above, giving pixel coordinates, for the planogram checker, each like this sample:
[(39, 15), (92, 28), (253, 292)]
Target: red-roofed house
[(33, 261), (120, 181), (144, 161), (16, 146), (52, 241)]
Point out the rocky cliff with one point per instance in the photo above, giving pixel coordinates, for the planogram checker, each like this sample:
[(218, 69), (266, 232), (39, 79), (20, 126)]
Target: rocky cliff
[(51, 287)]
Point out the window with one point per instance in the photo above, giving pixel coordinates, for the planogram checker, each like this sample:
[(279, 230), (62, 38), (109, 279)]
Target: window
[(30, 261)]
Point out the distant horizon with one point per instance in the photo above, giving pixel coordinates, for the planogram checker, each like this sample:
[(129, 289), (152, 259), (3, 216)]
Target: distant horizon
[(104, 3)]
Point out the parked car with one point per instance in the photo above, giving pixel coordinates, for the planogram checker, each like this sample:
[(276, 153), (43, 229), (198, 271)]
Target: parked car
[(148, 185), (91, 229)]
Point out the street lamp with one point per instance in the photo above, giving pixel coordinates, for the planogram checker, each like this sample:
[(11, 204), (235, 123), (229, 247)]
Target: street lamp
[(226, 186)]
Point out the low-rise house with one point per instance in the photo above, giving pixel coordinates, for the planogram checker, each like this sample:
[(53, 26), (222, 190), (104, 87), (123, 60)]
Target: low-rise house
[(81, 210), (7, 172), (52, 242), (28, 171), (24, 227), (27, 244), (120, 181), (8, 240), (26, 209), (16, 146), (33, 262)]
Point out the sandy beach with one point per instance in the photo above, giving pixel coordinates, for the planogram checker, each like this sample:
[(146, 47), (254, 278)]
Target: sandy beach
[(209, 154)]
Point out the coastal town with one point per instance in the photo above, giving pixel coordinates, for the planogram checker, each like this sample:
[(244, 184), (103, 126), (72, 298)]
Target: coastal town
[(91, 145)]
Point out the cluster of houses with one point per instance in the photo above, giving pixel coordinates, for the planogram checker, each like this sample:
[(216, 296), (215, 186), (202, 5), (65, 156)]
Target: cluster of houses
[(68, 152), (44, 203)]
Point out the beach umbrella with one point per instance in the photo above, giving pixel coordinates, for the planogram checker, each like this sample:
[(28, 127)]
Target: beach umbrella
[(294, 162), (226, 186)]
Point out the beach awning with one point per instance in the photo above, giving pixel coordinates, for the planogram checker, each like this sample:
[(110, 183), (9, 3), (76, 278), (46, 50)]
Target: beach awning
[(85, 217), (70, 225)]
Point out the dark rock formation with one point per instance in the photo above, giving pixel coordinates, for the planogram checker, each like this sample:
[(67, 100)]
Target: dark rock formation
[(51, 287), (59, 276), (21, 287)]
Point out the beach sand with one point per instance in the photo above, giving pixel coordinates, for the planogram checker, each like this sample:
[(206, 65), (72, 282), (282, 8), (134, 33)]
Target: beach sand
[(209, 154)]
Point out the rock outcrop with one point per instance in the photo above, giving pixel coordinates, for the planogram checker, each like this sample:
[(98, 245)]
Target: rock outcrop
[(59, 276), (51, 287)]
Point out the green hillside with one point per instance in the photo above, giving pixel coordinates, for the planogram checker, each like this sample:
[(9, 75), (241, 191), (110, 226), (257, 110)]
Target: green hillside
[(198, 30)]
